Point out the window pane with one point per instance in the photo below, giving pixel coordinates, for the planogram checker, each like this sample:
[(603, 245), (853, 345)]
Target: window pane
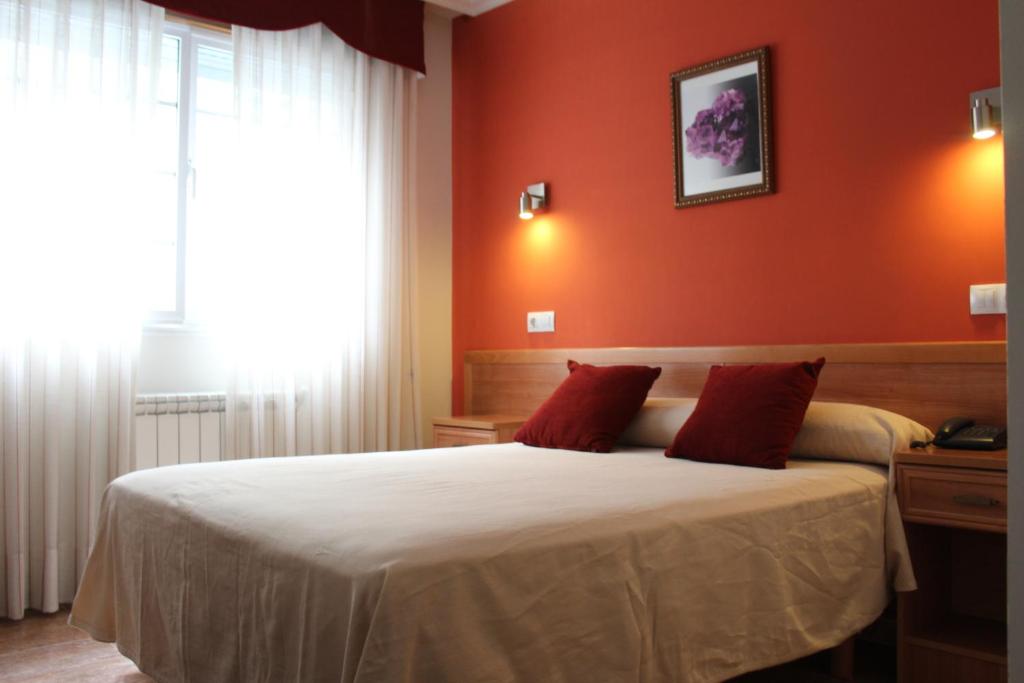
[(160, 256), (165, 140), (215, 131), (170, 64), (210, 209), (164, 150), (160, 289), (214, 84), (160, 229), (214, 142)]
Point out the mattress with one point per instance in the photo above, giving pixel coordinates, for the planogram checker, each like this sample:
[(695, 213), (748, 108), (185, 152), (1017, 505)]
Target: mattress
[(485, 563)]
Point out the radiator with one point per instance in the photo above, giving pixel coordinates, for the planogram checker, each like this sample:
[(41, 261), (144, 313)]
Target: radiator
[(171, 429)]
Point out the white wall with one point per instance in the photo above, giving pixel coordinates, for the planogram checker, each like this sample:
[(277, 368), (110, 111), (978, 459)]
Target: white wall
[(1012, 56), (188, 362), (173, 362), (434, 222)]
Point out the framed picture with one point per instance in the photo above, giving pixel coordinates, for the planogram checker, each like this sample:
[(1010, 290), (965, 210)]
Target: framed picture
[(721, 129)]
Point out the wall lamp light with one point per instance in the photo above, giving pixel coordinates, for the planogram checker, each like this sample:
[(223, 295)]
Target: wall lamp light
[(534, 199), (986, 113)]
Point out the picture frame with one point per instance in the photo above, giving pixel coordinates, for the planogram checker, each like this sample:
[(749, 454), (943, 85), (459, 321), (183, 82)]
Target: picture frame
[(721, 129)]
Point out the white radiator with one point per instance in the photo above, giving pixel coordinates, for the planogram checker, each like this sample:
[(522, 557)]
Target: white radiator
[(171, 429)]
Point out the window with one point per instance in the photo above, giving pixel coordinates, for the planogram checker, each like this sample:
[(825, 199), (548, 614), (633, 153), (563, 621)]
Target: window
[(194, 124)]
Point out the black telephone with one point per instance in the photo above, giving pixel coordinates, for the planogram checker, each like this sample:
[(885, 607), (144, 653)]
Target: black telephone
[(962, 433)]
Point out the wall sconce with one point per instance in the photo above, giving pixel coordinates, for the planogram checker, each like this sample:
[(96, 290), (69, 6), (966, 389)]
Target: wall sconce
[(534, 199), (986, 113)]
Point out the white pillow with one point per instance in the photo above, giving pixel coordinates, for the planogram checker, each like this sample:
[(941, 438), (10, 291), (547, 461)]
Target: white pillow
[(845, 431), (658, 421), (830, 431)]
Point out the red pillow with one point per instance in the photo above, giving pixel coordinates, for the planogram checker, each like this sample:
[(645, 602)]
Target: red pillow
[(748, 414), (590, 409)]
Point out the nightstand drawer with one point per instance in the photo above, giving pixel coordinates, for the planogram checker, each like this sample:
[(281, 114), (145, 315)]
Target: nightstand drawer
[(447, 437), (972, 499), (473, 430)]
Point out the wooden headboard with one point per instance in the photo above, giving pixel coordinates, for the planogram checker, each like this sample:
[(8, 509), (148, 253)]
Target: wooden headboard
[(924, 381)]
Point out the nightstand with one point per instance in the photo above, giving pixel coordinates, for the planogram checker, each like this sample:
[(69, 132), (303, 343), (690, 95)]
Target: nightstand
[(953, 627), (473, 430)]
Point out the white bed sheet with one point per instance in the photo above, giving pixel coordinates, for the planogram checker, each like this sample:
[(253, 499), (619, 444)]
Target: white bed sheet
[(486, 563)]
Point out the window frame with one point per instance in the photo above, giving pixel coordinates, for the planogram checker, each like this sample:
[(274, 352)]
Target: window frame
[(190, 39)]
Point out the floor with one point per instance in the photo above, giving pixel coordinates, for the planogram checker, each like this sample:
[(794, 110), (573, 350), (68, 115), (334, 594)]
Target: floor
[(44, 648), (874, 664)]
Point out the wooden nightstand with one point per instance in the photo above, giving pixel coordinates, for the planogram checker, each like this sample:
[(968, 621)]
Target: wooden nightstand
[(472, 430), (953, 627)]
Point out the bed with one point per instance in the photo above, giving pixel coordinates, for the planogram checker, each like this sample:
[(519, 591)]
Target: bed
[(487, 563), (490, 563)]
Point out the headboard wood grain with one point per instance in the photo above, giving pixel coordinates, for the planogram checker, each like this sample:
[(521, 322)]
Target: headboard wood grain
[(927, 382)]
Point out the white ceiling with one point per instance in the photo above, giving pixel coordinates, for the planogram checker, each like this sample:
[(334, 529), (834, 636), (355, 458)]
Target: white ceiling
[(470, 7)]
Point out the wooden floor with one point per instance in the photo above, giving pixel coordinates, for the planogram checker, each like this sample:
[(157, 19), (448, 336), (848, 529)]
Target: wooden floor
[(874, 664), (43, 648)]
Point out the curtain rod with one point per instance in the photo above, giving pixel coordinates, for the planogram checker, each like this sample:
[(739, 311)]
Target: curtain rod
[(196, 22)]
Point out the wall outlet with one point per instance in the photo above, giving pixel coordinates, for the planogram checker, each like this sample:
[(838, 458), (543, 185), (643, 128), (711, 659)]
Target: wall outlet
[(540, 321), (988, 299)]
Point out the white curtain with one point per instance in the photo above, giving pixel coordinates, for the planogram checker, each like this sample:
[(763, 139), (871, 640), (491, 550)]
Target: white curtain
[(309, 289), (77, 89)]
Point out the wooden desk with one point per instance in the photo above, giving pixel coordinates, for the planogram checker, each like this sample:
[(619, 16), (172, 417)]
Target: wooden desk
[(953, 628)]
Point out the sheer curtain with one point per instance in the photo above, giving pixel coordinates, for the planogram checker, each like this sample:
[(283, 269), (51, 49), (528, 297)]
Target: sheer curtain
[(306, 277), (77, 88)]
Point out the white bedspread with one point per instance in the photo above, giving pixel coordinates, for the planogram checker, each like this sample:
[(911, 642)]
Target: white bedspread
[(488, 563)]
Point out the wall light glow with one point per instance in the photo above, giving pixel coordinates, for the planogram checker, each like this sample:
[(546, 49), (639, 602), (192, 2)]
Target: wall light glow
[(540, 234), (963, 191), (984, 163)]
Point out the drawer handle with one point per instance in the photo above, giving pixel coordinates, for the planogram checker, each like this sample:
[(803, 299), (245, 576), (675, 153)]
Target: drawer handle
[(975, 500)]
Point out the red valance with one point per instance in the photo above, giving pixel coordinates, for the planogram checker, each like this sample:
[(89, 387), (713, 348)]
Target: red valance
[(391, 30)]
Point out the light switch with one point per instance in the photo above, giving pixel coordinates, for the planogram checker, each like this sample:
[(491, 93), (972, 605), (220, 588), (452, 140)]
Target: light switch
[(988, 299), (540, 321)]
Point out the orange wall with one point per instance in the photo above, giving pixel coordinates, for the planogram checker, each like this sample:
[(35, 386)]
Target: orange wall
[(885, 209)]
